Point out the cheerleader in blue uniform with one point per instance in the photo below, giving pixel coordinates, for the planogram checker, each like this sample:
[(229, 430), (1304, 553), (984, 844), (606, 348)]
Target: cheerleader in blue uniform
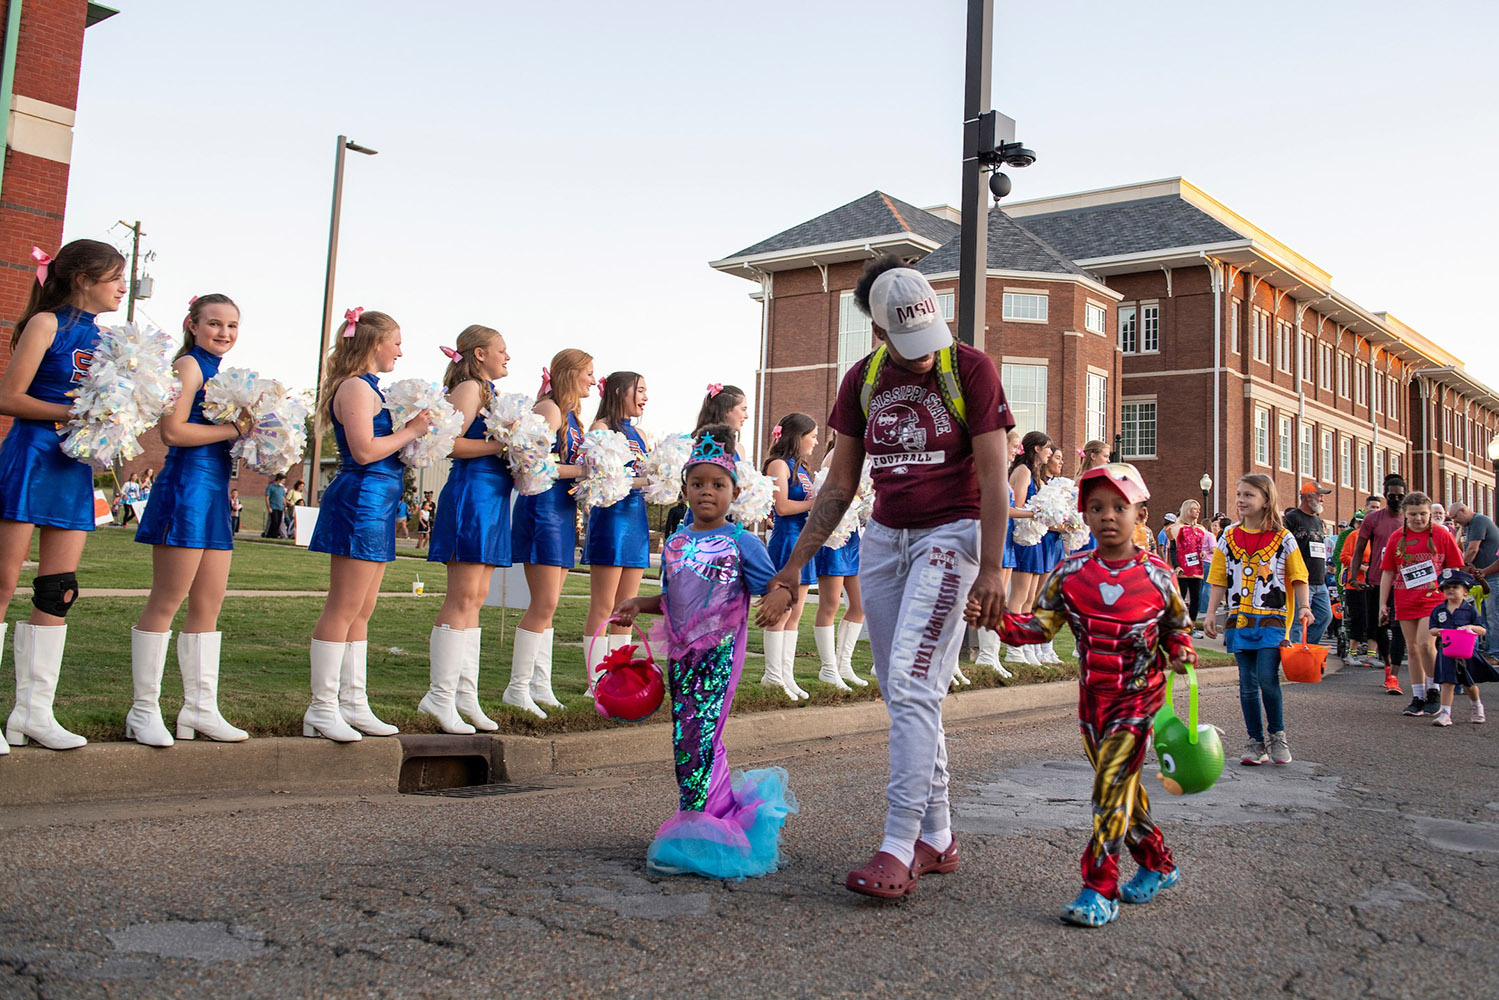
[(189, 525), (356, 522), (39, 485), (1093, 455), (1027, 475), (723, 406), (471, 532), (990, 648), (618, 547), (546, 533), (791, 445), (838, 573)]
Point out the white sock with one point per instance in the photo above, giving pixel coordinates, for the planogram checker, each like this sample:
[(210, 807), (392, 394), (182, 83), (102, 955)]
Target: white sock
[(939, 839), (905, 850), (1418, 690)]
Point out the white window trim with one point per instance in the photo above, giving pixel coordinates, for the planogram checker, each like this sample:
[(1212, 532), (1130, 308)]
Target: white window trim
[(1040, 293), (1135, 401), (1285, 434), (1104, 309), (1235, 314), (1140, 327), (1329, 456), (1266, 462)]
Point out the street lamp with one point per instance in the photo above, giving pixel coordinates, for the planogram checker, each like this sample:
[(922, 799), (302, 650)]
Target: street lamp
[(344, 143), (1206, 485), (1494, 457)]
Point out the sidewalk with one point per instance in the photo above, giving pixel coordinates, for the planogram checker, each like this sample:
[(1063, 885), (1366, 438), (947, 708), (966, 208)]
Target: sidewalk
[(289, 765)]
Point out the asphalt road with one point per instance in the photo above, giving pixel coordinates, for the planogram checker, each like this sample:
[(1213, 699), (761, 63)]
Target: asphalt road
[(1366, 868)]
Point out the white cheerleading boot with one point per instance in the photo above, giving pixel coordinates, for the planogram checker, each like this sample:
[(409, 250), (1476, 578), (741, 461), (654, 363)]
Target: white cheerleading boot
[(448, 647), (4, 746), (323, 717), (1047, 655), (775, 676), (148, 658), (788, 664), (522, 665), (848, 638), (958, 677), (467, 701), (541, 679), (353, 694), (826, 637), (988, 655), (198, 658), (596, 649), (38, 662), (1030, 654)]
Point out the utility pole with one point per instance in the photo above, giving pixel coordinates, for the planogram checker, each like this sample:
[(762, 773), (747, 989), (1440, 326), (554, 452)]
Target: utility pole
[(135, 256), (973, 241)]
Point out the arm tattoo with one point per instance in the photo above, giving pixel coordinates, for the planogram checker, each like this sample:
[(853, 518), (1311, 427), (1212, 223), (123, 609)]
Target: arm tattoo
[(832, 503)]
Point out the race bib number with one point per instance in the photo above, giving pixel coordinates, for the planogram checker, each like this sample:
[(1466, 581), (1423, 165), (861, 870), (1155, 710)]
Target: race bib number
[(1192, 560), (1419, 576), (1318, 550)]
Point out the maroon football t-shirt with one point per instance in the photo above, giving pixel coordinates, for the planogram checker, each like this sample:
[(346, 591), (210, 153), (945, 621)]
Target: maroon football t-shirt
[(920, 457)]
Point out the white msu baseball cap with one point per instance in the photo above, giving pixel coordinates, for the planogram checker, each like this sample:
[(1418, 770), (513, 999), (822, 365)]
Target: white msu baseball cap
[(902, 303)]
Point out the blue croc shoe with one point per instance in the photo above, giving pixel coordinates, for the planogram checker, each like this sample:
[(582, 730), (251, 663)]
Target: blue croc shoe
[(1090, 909), (1146, 883)]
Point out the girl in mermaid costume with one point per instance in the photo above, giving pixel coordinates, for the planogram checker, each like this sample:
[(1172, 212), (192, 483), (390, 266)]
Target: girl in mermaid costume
[(727, 825)]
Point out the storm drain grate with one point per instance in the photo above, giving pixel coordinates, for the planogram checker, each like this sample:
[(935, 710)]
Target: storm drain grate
[(481, 791)]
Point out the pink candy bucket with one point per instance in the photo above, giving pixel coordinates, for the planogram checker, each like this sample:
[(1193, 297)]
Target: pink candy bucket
[(1458, 644)]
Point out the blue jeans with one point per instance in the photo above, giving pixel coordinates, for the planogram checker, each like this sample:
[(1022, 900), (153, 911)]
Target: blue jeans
[(1491, 618), (1259, 680), (1321, 615)]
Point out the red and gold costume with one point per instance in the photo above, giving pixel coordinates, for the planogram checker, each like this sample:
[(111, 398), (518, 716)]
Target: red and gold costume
[(1128, 618)]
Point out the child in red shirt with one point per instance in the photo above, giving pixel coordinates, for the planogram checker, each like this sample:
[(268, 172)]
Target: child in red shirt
[(1413, 561)]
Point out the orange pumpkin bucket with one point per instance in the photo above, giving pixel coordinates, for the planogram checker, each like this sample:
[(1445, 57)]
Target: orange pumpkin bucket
[(1303, 662)]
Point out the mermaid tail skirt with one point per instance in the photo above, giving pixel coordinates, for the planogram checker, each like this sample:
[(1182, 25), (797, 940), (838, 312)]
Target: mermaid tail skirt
[(739, 839)]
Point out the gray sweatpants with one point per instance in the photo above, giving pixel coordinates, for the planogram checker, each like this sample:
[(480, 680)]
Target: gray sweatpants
[(915, 583)]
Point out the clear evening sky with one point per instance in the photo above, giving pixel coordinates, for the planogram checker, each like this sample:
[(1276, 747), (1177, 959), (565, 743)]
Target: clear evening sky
[(563, 172)]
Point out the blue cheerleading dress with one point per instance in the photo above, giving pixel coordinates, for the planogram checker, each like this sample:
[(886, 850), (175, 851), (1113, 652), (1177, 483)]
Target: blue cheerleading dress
[(842, 561), (620, 535), (1009, 558), (357, 518), (473, 512), (1034, 558), (728, 823), (545, 531), (788, 527), (38, 483), (189, 505)]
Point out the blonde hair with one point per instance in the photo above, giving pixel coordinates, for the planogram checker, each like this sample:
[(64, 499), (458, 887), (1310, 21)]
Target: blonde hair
[(567, 365), (1266, 486), (352, 356), (1181, 515), (474, 337), (1094, 447)]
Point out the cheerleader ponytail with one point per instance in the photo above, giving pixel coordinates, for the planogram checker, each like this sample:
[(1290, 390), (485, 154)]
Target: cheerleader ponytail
[(195, 307), (59, 278), (463, 364)]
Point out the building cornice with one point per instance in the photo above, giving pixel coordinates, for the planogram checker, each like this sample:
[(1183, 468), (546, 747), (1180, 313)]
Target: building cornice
[(1076, 279)]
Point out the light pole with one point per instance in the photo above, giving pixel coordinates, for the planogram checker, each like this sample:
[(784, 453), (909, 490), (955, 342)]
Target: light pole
[(314, 482), (1494, 457), (1206, 485)]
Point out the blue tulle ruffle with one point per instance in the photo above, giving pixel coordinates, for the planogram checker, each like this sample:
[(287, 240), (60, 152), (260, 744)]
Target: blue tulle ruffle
[(743, 844)]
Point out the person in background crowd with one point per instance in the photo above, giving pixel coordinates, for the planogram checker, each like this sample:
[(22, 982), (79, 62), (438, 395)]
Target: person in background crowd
[(1142, 536), (294, 498), (674, 517), (1368, 549), (1481, 556), (1439, 516), (1373, 503), (148, 483), (236, 508), (1191, 552), (991, 651), (1304, 522), (838, 574), (1028, 473), (132, 494), (424, 515), (275, 505), (1414, 558), (1163, 538), (1220, 523), (403, 518), (1354, 605), (791, 446)]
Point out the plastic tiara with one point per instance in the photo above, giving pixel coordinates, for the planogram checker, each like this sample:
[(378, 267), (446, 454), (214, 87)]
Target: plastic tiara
[(708, 450)]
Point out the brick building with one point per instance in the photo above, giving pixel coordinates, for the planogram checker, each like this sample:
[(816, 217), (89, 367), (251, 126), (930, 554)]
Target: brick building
[(1155, 317)]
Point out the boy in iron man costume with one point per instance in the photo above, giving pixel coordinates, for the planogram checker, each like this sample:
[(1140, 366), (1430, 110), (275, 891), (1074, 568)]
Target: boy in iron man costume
[(1128, 618)]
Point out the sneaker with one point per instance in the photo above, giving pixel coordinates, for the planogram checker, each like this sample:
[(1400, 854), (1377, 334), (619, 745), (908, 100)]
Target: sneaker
[(1254, 754), (1280, 750), (1477, 717), (1442, 719), (1090, 909), (1416, 707), (1146, 884), (1392, 684), (1433, 702), (1198, 633)]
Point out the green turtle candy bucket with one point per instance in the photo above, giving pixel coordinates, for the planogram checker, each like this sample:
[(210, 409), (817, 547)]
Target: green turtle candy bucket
[(1190, 755)]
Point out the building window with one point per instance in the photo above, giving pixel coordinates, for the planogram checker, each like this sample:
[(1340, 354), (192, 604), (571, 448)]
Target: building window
[(947, 302), (1344, 368), (1129, 331), (1308, 452), (1261, 336), (1446, 426), (1150, 329), (1376, 393), (1233, 326), (1025, 389), (234, 468), (1360, 384), (1324, 369), (1286, 444), (1306, 357), (1095, 318), (1379, 466), (1025, 307), (854, 334), (1137, 429), (1363, 468), (1283, 354), (1394, 398), (1346, 472), (1327, 473), (1098, 407), (1449, 489), (1394, 464)]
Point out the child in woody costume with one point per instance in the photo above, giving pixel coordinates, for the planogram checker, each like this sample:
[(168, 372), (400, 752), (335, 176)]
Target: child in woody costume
[(1127, 615)]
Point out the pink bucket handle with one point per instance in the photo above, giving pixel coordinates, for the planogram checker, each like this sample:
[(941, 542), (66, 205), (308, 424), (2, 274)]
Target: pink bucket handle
[(599, 632)]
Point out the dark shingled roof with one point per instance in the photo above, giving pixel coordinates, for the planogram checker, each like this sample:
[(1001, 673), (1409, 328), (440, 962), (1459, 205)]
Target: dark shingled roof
[(1129, 227), (1012, 247), (875, 214)]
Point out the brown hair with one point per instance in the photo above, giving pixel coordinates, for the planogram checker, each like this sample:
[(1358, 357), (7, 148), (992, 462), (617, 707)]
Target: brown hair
[(194, 313), (793, 427), (79, 261), (1266, 486), (474, 337), (1094, 447), (716, 405), (352, 356), (1029, 445), (567, 365), (613, 397)]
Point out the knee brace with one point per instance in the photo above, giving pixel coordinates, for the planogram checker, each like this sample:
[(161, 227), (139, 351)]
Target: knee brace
[(54, 593)]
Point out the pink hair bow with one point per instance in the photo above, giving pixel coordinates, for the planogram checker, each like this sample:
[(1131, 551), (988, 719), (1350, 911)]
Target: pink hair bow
[(714, 388), (775, 434), (453, 355), (1081, 453), (603, 381), (351, 317), (546, 380), (43, 261), (192, 301)]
